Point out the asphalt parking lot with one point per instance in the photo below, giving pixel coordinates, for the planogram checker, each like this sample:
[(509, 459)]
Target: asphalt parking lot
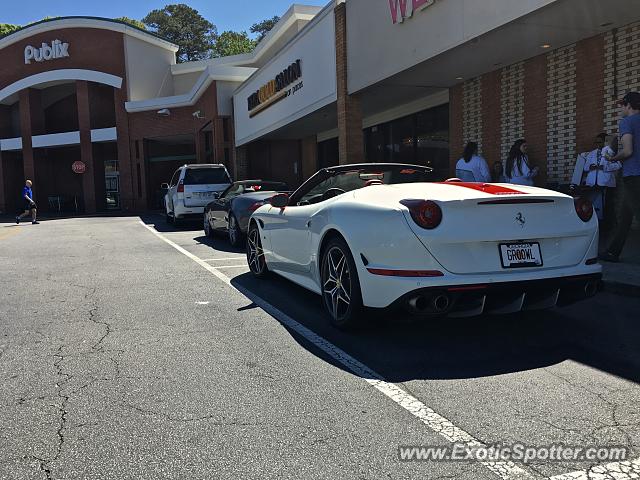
[(131, 349)]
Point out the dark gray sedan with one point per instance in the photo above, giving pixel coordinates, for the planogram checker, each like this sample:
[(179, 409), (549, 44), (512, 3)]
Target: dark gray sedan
[(230, 212)]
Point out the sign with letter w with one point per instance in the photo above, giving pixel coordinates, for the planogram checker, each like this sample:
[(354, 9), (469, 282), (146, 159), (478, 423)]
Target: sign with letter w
[(401, 9)]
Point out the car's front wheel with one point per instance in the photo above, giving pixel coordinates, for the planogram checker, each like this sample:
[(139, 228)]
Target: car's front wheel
[(234, 232), (255, 253), (341, 294)]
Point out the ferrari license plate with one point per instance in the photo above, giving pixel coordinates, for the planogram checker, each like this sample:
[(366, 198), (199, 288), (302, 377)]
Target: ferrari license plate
[(518, 255)]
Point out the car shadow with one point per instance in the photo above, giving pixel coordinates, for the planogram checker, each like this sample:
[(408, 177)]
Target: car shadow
[(219, 243), (401, 348)]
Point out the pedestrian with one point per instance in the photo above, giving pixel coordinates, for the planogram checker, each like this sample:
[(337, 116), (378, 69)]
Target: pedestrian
[(29, 205), (472, 167), (601, 175), (518, 170), (629, 155)]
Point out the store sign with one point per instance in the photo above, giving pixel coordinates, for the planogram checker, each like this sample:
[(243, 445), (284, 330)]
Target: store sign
[(275, 90), (401, 9), (57, 49), (78, 167)]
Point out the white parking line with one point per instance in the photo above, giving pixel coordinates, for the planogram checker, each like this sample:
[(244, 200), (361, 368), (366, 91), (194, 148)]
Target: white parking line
[(239, 257), (611, 471), (232, 266), (434, 421)]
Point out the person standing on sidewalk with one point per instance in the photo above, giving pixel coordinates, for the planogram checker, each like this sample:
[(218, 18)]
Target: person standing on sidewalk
[(629, 155), (518, 170), (472, 167), (29, 204)]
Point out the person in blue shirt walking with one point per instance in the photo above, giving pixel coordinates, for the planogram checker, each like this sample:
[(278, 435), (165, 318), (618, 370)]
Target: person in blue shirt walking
[(629, 155), (29, 204)]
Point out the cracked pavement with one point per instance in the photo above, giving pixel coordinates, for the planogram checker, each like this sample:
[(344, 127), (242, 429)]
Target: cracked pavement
[(122, 358)]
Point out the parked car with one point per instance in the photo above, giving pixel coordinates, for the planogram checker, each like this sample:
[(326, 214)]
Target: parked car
[(446, 248), (230, 212), (191, 188)]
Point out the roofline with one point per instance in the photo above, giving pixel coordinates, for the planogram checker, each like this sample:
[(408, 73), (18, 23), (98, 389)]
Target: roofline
[(293, 14), (211, 74), (86, 22)]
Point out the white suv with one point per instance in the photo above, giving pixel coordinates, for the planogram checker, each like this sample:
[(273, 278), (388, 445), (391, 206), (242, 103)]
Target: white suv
[(191, 188)]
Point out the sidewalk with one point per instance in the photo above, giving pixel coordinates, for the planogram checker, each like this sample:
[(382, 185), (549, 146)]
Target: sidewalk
[(624, 277)]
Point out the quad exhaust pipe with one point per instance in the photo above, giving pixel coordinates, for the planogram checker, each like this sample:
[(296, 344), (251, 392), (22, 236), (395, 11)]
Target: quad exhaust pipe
[(424, 304), (591, 289)]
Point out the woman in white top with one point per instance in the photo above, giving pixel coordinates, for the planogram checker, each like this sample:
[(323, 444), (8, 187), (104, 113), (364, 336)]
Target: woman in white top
[(518, 170), (472, 167)]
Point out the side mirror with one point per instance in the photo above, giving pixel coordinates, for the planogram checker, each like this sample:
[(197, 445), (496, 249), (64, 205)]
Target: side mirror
[(164, 186), (280, 201)]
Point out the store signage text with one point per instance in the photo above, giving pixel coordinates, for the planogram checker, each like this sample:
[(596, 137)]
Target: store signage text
[(57, 49), (401, 9), (276, 89)]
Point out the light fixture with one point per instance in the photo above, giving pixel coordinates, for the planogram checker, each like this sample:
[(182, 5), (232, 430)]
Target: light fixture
[(459, 78), (197, 114), (607, 24), (165, 112), (545, 46)]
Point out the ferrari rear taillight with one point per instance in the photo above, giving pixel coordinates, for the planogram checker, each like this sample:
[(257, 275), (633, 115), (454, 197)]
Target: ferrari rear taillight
[(180, 187), (584, 208), (426, 213)]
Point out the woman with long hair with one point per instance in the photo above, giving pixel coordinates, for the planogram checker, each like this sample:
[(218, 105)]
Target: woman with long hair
[(518, 170), (472, 167)]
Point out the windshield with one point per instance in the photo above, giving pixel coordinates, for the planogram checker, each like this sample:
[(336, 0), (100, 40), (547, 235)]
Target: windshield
[(206, 176), (328, 184)]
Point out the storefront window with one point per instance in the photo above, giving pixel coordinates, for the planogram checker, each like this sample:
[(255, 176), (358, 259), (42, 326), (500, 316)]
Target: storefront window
[(328, 153), (421, 138)]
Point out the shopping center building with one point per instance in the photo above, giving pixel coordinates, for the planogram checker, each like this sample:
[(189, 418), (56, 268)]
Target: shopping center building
[(98, 113)]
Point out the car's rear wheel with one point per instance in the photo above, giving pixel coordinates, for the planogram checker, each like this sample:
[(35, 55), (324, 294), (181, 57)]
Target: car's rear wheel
[(234, 232), (341, 293), (208, 231), (255, 253)]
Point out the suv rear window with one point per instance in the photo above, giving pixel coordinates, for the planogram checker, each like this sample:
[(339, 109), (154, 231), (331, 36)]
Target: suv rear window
[(206, 176)]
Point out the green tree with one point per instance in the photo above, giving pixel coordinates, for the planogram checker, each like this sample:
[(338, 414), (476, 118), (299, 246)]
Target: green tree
[(185, 27), (131, 21), (7, 28), (233, 43), (264, 27)]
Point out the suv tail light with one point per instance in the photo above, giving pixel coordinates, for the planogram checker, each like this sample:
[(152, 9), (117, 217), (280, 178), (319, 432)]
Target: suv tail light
[(181, 187), (426, 213), (584, 208)]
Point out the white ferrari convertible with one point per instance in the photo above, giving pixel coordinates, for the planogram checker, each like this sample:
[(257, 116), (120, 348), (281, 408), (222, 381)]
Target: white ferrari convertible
[(383, 235)]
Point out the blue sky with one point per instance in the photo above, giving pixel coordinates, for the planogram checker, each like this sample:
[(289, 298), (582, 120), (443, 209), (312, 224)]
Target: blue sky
[(225, 14)]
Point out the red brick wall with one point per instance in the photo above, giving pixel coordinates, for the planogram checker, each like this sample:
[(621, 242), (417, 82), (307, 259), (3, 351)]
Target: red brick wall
[(455, 126), (89, 48), (86, 149), (589, 91), (351, 138), (491, 117), (535, 113)]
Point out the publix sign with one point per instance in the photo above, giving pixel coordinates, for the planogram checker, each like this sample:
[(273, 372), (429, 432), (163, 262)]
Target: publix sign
[(401, 9), (57, 49)]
